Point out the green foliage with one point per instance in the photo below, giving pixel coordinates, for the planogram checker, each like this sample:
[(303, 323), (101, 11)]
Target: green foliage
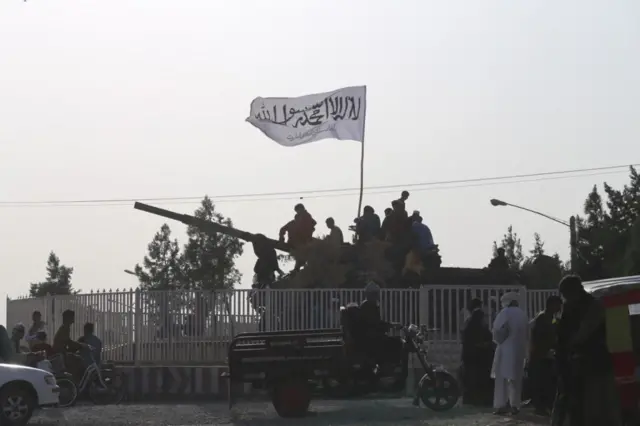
[(209, 259), (57, 282), (162, 268), (512, 249), (608, 232), (206, 262), (538, 270)]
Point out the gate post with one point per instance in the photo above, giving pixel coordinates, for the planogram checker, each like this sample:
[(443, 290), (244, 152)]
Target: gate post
[(423, 306), (137, 327)]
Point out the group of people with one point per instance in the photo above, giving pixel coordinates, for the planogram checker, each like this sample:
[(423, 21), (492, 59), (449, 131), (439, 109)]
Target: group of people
[(88, 346), (406, 232), (563, 351)]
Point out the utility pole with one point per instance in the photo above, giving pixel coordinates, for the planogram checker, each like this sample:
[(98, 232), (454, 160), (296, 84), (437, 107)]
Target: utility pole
[(573, 241)]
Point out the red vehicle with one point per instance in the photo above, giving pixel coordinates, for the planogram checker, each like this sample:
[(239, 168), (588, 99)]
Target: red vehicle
[(621, 298)]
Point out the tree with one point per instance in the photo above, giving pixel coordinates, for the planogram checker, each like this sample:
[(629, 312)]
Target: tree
[(607, 235), (58, 280), (512, 249), (540, 270), (209, 259), (537, 270), (538, 246), (162, 267), (631, 261)]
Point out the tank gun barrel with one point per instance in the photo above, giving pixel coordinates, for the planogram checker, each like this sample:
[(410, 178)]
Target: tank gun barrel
[(207, 226)]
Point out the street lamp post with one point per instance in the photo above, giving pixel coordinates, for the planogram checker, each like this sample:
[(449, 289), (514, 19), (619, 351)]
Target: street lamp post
[(573, 232), (130, 272)]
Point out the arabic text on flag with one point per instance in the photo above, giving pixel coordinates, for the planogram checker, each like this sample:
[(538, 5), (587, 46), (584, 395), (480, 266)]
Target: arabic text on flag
[(295, 121)]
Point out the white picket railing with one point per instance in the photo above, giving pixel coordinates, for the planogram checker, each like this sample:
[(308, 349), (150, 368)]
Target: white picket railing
[(195, 327)]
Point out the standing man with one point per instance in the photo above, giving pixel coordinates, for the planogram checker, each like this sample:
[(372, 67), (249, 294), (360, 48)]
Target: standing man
[(404, 196), (511, 333), (477, 351), (384, 228), (588, 385), (542, 356), (367, 225)]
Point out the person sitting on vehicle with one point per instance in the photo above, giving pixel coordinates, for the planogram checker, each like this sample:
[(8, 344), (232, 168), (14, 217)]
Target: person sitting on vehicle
[(378, 345), (37, 326), (335, 233), (423, 239), (500, 261), (267, 263), (18, 356), (367, 225), (93, 351), (399, 225)]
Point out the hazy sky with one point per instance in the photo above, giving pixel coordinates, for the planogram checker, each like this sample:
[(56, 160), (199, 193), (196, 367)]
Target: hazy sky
[(136, 99)]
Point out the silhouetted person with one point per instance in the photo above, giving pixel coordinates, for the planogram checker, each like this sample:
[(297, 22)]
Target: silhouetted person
[(399, 225), (500, 262), (588, 384), (542, 356), (423, 239), (266, 265), (63, 344), (36, 326), (404, 196), (367, 225), (300, 229), (93, 351), (335, 234), (477, 356), (384, 228), (379, 346)]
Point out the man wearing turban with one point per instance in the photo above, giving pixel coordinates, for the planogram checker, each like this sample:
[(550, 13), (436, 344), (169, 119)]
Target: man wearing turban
[(511, 334)]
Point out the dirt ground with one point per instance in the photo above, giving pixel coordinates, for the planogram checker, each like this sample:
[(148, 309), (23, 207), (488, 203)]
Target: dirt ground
[(324, 413)]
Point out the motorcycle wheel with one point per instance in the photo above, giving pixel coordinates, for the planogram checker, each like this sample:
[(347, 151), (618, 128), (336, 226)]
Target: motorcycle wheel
[(114, 392), (441, 394), (68, 393)]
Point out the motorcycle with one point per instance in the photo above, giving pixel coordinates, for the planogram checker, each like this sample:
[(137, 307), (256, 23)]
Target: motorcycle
[(437, 389)]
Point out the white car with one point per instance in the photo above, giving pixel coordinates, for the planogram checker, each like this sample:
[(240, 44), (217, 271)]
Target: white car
[(23, 390)]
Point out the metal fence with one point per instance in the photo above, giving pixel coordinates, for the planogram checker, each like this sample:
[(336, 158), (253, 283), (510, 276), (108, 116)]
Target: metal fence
[(195, 327)]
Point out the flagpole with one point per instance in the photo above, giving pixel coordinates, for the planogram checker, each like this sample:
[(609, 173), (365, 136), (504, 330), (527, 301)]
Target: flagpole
[(364, 125)]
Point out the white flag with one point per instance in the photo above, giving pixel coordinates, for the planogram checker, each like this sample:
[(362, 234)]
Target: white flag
[(295, 121)]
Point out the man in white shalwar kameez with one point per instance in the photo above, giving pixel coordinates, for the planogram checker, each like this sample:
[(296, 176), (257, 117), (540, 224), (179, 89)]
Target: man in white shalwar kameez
[(511, 334)]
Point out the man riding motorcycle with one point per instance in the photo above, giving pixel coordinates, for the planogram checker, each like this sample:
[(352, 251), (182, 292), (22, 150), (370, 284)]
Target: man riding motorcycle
[(370, 333)]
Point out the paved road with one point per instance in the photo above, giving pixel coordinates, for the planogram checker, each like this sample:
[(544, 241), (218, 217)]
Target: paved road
[(324, 413)]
